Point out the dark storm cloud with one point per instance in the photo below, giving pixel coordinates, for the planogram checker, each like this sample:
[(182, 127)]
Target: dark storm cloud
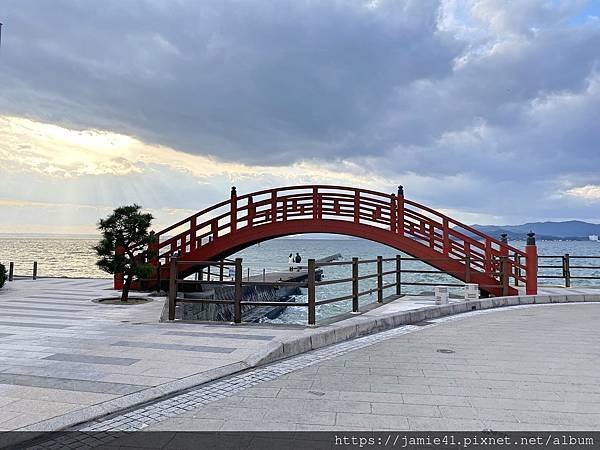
[(253, 80), (493, 97)]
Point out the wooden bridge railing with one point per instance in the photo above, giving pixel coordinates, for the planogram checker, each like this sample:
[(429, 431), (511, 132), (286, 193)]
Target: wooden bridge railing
[(390, 212)]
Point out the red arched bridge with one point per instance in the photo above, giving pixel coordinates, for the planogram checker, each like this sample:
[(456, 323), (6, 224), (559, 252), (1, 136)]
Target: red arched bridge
[(391, 219)]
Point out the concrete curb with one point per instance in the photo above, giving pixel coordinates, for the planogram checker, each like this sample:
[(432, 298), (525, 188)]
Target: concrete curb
[(311, 339), (361, 325)]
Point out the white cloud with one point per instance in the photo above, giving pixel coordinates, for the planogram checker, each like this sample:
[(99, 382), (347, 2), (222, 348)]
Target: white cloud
[(588, 192)]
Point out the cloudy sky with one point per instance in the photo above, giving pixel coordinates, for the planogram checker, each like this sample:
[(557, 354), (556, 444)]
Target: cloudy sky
[(486, 109)]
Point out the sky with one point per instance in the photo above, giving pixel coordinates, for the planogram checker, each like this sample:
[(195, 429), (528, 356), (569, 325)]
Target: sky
[(488, 110)]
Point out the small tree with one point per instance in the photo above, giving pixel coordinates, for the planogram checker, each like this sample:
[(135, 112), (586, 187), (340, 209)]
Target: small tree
[(124, 245), (2, 275)]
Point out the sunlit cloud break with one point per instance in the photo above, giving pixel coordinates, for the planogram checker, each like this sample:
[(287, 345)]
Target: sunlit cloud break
[(56, 151)]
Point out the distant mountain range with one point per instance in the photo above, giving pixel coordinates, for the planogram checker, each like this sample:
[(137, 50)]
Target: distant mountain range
[(576, 230)]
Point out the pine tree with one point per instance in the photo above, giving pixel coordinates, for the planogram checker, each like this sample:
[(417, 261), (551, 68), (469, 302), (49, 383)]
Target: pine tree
[(124, 245)]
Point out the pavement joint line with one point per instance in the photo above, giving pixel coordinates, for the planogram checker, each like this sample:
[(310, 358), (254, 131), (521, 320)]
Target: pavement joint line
[(151, 413)]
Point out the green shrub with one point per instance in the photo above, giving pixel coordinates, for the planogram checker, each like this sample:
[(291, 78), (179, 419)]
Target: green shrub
[(2, 275)]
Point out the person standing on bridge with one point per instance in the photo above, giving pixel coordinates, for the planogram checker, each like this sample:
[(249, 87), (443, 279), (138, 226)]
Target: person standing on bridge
[(298, 260), (291, 262)]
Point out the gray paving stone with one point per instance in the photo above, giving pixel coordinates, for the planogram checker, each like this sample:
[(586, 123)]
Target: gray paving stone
[(26, 308), (400, 409), (200, 334), (443, 424), (41, 316), (99, 387), (187, 348), (92, 359), (35, 325), (372, 421)]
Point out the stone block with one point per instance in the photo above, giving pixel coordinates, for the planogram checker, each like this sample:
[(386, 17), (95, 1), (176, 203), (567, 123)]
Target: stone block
[(539, 299), (384, 323), (458, 308), (366, 326), (473, 305), (417, 315), (322, 338), (498, 302), (435, 312), (345, 332), (400, 319), (526, 299), (430, 313), (592, 297), (513, 300), (296, 346), (558, 298), (575, 298), (486, 303), (270, 352), (445, 310)]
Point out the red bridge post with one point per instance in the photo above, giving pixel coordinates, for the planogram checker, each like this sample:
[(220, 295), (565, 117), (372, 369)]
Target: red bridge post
[(393, 220), (356, 206), (193, 241), (531, 268), (400, 211), (233, 207)]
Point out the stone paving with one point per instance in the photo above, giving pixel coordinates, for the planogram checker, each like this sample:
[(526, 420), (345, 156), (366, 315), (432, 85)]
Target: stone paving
[(520, 368), (60, 352), (65, 359), (531, 367)]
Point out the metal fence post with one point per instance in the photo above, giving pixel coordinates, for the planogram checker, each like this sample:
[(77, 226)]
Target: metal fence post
[(35, 270), (311, 292), (237, 292), (172, 287), (354, 284), (380, 279), (398, 275), (567, 269), (11, 271)]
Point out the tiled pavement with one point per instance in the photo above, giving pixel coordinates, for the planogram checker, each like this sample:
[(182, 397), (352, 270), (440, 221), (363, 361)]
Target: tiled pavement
[(520, 368), (63, 358), (532, 367), (60, 352)]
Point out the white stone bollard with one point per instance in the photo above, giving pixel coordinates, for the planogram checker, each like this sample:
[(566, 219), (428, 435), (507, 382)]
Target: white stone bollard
[(441, 295), (471, 292)]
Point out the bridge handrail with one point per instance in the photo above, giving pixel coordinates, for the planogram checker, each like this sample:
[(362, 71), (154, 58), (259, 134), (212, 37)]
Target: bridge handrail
[(339, 188), (422, 224)]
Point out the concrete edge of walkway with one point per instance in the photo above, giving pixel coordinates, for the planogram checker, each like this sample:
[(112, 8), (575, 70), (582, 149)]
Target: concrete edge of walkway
[(363, 325), (311, 339)]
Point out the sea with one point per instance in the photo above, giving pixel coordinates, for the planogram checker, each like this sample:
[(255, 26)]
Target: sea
[(73, 256)]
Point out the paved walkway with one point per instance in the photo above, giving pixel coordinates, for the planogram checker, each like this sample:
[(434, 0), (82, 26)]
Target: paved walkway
[(65, 359), (61, 352), (535, 368)]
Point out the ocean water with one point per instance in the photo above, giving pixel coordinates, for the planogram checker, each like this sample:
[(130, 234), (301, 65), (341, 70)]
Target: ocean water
[(74, 257)]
